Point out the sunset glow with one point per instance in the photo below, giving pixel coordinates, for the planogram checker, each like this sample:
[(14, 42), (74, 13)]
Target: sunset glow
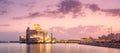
[(66, 19)]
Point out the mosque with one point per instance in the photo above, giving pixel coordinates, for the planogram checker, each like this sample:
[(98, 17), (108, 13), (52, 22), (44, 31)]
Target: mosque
[(36, 35)]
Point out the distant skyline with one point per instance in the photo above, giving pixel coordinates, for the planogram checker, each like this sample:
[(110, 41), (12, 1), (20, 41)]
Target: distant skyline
[(66, 19)]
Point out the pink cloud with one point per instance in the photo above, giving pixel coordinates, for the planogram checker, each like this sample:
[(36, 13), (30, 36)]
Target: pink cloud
[(113, 12), (73, 7), (4, 25), (78, 32), (4, 6)]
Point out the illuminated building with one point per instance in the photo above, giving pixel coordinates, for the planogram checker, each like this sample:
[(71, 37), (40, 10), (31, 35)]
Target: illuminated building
[(36, 35)]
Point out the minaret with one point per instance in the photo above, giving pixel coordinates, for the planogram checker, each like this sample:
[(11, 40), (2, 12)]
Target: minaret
[(27, 35), (44, 37), (51, 37)]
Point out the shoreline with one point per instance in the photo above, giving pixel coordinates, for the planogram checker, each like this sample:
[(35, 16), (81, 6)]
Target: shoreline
[(109, 45), (9, 41)]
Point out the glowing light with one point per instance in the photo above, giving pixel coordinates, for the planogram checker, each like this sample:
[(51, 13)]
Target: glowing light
[(37, 28), (23, 37)]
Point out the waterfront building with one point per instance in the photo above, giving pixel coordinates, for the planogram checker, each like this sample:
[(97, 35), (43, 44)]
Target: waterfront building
[(36, 35)]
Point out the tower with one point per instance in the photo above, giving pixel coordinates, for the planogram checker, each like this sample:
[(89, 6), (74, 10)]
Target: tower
[(51, 37), (27, 35)]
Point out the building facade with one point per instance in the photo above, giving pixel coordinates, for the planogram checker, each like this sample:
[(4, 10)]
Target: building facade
[(36, 35)]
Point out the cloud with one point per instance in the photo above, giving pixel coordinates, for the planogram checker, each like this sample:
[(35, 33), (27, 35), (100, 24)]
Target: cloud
[(4, 25), (6, 2), (113, 12), (65, 7), (68, 6), (29, 5), (4, 6), (79, 31), (35, 14), (30, 15), (3, 12), (93, 7), (17, 18), (74, 8)]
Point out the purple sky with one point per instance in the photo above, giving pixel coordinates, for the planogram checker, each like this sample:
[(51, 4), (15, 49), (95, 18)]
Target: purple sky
[(66, 19)]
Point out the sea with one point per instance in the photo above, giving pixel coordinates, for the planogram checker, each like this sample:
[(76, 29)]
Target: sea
[(54, 48)]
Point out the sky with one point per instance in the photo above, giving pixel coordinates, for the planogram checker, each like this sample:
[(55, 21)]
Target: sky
[(66, 19)]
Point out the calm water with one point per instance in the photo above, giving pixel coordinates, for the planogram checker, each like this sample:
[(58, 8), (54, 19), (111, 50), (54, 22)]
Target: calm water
[(53, 48)]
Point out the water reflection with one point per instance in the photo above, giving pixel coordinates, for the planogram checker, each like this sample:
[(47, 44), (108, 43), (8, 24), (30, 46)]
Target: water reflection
[(54, 48), (38, 48), (67, 48)]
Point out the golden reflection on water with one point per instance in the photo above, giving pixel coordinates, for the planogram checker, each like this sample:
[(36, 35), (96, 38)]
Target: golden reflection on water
[(38, 48), (64, 48), (54, 48)]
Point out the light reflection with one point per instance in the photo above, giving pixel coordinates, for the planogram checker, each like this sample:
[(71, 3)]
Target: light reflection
[(38, 48), (64, 48), (68, 48)]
